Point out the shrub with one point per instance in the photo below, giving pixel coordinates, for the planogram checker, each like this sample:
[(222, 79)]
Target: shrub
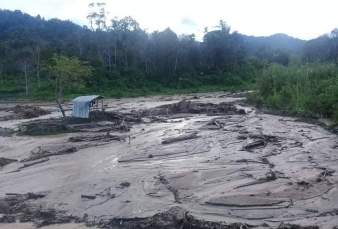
[(307, 89)]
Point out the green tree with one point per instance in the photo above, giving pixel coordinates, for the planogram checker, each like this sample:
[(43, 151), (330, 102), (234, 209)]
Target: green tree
[(97, 16), (68, 73)]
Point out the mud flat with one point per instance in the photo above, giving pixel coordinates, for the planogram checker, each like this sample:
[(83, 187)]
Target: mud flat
[(178, 162)]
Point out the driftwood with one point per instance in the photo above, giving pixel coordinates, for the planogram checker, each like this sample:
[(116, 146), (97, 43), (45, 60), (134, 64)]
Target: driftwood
[(6, 161), (61, 108), (263, 161), (88, 197), (89, 138), (270, 176), (43, 154), (33, 163), (216, 123), (179, 138), (254, 144), (29, 195)]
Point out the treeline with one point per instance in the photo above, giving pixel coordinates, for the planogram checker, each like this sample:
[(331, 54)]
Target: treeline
[(121, 58), (307, 86), (124, 57)]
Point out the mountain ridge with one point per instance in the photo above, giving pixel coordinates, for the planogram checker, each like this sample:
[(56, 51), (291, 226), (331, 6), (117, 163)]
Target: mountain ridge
[(253, 43)]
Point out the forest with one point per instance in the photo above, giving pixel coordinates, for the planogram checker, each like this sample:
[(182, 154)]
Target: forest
[(48, 59)]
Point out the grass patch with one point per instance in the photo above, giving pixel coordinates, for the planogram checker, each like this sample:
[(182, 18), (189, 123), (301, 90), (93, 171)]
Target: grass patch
[(307, 90)]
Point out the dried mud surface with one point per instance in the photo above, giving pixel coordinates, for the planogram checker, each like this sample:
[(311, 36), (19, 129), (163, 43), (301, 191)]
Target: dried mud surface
[(224, 163)]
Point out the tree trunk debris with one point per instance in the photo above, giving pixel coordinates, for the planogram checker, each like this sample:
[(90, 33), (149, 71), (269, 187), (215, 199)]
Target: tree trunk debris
[(34, 163), (180, 138), (88, 197), (61, 108)]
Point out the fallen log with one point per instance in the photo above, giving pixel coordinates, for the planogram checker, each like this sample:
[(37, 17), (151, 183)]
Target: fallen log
[(270, 176), (88, 138), (29, 195), (179, 138), (254, 144), (252, 161), (43, 154), (13, 194), (61, 108), (33, 163), (88, 197)]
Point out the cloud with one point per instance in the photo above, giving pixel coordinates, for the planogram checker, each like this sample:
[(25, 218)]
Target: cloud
[(188, 21)]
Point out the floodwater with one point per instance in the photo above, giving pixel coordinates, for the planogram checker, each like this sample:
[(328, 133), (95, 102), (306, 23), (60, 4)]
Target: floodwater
[(212, 176)]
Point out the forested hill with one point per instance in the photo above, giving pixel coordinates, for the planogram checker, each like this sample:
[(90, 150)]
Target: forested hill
[(20, 29), (121, 58), (276, 41)]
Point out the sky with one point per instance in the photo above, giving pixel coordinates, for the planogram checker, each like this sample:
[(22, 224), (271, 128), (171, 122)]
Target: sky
[(304, 19)]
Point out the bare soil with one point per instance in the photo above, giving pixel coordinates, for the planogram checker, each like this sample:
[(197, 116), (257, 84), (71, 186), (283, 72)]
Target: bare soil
[(204, 161)]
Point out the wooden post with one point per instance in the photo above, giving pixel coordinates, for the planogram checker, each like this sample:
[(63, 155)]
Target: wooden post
[(61, 108), (102, 104)]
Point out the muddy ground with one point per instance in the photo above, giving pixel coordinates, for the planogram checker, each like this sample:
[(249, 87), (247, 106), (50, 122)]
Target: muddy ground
[(232, 164)]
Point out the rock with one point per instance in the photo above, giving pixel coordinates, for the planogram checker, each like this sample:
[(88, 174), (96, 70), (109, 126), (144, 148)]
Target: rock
[(241, 111), (124, 185), (6, 132)]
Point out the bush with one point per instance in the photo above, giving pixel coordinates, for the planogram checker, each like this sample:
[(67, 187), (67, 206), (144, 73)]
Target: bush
[(187, 83), (307, 89), (117, 94)]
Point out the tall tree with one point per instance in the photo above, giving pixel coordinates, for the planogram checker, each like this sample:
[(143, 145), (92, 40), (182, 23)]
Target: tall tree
[(1, 72), (24, 60), (68, 73), (98, 16), (38, 65)]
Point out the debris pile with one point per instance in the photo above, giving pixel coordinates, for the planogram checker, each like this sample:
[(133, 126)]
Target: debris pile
[(115, 122), (39, 153), (187, 106), (6, 132), (6, 161), (90, 138), (14, 208), (177, 217), (260, 140), (43, 127), (25, 112), (116, 117), (180, 138)]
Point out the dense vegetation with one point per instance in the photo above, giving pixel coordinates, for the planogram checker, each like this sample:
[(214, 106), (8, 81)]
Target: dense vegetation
[(307, 86), (125, 60), (45, 59)]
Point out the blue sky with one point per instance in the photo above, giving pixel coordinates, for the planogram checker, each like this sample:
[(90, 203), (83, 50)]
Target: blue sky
[(305, 19)]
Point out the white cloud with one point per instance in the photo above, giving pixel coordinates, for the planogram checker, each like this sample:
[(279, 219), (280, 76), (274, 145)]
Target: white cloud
[(305, 19)]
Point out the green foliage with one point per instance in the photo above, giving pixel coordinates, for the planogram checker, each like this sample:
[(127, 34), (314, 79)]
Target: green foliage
[(310, 90), (69, 72), (120, 59), (117, 58)]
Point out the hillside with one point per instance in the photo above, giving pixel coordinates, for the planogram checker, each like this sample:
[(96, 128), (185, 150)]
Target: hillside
[(125, 60), (276, 41)]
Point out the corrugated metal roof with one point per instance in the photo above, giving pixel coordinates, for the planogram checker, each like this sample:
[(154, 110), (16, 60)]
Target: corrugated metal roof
[(86, 98), (82, 104)]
